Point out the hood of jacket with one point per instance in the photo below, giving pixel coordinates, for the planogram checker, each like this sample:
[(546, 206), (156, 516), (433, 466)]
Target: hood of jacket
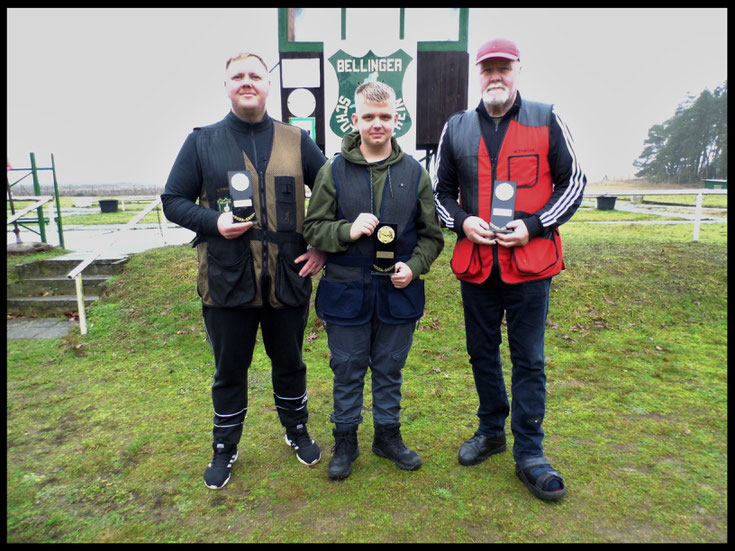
[(351, 151)]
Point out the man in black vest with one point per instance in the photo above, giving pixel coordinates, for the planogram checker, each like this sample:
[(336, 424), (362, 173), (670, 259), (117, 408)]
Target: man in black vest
[(372, 212), (239, 184)]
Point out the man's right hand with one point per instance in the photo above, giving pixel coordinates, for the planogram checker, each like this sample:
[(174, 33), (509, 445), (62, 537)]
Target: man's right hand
[(478, 231), (229, 229)]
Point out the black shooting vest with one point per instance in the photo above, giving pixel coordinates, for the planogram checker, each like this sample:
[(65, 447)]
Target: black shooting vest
[(348, 294), (235, 273)]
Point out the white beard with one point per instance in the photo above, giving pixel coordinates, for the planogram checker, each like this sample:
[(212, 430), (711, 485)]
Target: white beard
[(495, 97)]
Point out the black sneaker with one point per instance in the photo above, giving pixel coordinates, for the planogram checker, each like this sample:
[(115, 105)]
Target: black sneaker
[(218, 471), (306, 449)]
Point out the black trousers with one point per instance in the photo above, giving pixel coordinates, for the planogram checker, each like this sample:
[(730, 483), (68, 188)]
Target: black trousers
[(232, 333)]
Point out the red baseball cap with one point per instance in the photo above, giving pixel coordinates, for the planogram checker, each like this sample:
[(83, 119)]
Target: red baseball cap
[(498, 47)]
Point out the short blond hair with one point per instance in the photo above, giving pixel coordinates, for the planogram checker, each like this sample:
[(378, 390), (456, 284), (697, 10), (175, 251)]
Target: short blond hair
[(375, 92), (244, 55)]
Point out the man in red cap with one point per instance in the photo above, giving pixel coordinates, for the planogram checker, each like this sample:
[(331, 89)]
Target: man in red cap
[(506, 178)]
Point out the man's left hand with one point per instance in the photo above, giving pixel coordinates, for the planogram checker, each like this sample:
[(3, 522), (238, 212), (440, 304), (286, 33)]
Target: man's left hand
[(517, 238), (315, 260)]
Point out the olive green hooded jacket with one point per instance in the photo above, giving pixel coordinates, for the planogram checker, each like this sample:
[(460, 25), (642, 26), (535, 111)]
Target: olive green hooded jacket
[(324, 231)]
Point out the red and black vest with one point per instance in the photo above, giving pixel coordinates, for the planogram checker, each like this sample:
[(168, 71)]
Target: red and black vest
[(523, 158)]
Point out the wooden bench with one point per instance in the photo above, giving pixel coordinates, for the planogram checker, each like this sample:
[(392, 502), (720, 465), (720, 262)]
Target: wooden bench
[(606, 198), (135, 199)]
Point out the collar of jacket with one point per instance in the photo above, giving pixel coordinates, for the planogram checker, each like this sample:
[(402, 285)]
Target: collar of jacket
[(240, 125)]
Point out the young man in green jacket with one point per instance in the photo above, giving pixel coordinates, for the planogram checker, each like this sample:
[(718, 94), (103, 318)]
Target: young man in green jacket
[(372, 211)]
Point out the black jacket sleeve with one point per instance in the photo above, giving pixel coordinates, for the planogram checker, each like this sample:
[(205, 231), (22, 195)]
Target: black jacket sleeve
[(567, 175), (183, 188), (446, 185)]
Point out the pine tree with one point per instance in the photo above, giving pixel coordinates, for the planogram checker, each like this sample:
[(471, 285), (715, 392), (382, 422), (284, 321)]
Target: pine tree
[(691, 145)]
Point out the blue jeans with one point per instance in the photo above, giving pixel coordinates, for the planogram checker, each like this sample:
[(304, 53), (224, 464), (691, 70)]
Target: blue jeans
[(525, 306), (381, 347)]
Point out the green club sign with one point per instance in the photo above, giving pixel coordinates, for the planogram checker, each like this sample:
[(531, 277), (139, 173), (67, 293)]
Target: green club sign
[(353, 71)]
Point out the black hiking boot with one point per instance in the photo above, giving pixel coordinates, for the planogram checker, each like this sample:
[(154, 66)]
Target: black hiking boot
[(388, 443), (345, 451)]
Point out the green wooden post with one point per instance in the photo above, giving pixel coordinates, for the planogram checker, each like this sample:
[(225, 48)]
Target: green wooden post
[(37, 191), (58, 204)]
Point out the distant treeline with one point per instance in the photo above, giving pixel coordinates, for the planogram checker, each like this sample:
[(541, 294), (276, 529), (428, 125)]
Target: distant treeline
[(88, 190)]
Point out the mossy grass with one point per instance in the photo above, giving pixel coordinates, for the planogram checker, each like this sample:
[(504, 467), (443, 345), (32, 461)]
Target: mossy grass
[(108, 434)]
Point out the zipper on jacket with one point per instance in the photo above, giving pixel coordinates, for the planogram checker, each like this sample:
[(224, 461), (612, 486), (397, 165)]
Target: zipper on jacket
[(263, 212), (493, 177)]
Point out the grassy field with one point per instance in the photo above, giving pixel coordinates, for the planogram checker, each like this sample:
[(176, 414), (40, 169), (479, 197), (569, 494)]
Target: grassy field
[(108, 434)]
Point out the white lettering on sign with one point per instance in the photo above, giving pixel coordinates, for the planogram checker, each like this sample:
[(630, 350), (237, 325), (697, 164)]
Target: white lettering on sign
[(401, 109), (342, 118), (362, 65)]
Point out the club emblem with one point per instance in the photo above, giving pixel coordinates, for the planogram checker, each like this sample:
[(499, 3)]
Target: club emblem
[(352, 71)]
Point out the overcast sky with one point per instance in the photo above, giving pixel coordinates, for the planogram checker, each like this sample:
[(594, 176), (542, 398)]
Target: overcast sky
[(113, 93)]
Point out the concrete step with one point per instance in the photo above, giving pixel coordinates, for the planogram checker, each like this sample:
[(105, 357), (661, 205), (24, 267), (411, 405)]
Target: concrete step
[(59, 267), (44, 289), (42, 306), (37, 286)]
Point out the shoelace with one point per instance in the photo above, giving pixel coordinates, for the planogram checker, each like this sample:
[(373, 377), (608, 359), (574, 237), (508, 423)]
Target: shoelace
[(341, 442), (222, 459), (301, 438)]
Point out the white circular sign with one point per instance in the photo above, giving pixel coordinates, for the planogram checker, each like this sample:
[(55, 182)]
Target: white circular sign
[(504, 192), (301, 102), (240, 182)]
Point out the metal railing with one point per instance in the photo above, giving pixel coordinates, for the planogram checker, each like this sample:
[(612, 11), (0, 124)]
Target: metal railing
[(699, 192), (76, 273), (38, 201), (40, 220)]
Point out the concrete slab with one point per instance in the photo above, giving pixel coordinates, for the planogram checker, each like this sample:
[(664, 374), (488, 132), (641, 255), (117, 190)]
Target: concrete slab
[(85, 239), (38, 328)]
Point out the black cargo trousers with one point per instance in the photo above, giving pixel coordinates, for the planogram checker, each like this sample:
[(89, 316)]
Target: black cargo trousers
[(232, 335)]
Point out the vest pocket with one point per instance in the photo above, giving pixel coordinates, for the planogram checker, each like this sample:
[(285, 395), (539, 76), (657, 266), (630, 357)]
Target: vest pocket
[(291, 288), (466, 261), (341, 293), (538, 255), (230, 273), (285, 187), (408, 303), (524, 170), (340, 300)]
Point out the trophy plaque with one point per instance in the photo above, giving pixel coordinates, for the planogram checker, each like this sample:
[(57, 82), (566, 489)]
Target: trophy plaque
[(241, 192), (384, 237), (503, 206)]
